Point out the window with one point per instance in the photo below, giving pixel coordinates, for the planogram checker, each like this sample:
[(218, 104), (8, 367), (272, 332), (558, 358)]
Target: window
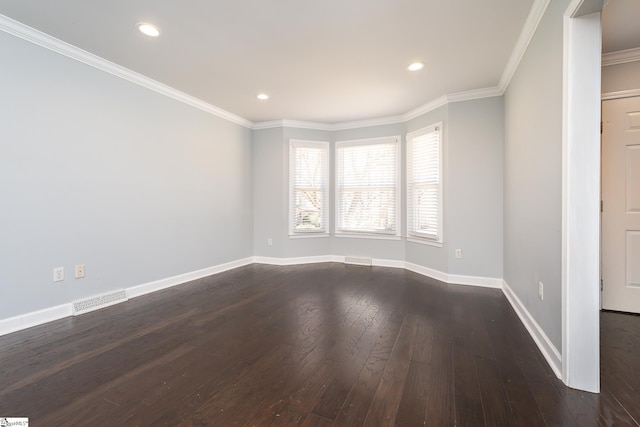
[(424, 185), (308, 182), (367, 186)]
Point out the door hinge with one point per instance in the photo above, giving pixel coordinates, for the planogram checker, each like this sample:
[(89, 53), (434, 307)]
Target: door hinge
[(601, 284), (601, 206)]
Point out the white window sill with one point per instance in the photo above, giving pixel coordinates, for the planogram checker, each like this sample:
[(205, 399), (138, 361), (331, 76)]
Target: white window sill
[(423, 241), (368, 236), (307, 235)]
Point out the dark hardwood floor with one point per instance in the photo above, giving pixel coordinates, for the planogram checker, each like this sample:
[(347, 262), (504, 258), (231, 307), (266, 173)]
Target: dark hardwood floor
[(312, 345)]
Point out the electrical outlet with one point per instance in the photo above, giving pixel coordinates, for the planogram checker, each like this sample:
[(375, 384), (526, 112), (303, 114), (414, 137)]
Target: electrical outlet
[(270, 241), (79, 271), (58, 274), (541, 290), (459, 253)]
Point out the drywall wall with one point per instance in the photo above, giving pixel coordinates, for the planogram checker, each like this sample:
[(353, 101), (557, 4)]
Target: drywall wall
[(268, 195), (619, 77), (95, 170), (533, 175), (473, 163), (473, 196), (271, 194)]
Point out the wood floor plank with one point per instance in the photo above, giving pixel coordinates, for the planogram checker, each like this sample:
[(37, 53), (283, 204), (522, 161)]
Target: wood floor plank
[(439, 405), (468, 400), (413, 405), (313, 345), (525, 410), (357, 403), (495, 405), (386, 401)]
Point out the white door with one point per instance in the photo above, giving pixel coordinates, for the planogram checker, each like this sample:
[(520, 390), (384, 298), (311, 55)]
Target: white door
[(621, 204)]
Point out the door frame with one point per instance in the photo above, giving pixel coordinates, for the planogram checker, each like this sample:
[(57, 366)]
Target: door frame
[(582, 56)]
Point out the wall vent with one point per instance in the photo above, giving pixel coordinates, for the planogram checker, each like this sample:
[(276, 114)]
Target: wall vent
[(358, 261), (99, 301)]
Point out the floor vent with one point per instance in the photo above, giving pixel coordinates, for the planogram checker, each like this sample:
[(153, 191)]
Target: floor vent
[(98, 302), (357, 261)]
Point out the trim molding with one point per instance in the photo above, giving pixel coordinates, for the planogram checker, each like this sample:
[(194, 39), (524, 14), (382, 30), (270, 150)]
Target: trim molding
[(158, 285), (484, 282), (428, 272), (621, 94), (551, 354), (548, 350), (297, 260), (621, 57), (536, 13), (452, 279), (35, 318), (46, 41)]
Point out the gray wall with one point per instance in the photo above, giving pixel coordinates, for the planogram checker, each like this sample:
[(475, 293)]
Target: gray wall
[(533, 175), (474, 190), (138, 187), (95, 170), (473, 132), (620, 77)]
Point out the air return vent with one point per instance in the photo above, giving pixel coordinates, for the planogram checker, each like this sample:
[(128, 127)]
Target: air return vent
[(99, 301), (357, 260)]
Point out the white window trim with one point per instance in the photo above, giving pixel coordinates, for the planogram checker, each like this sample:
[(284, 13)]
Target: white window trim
[(413, 236), (397, 235), (298, 234)]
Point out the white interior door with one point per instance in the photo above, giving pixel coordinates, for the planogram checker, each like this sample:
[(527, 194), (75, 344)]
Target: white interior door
[(621, 204)]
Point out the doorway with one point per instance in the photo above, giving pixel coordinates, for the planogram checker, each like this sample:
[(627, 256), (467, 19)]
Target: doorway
[(620, 243)]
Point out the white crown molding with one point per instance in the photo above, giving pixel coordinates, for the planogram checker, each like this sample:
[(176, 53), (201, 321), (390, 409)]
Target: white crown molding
[(526, 35), (39, 38), (621, 94), (488, 92), (391, 120), (621, 57), (292, 124), (328, 126), (46, 41), (425, 108)]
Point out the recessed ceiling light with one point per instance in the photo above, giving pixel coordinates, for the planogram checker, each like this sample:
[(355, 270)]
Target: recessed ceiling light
[(416, 66), (263, 96), (148, 29)]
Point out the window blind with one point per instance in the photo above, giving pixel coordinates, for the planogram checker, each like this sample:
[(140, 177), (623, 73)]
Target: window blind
[(309, 170), (367, 186), (424, 184)]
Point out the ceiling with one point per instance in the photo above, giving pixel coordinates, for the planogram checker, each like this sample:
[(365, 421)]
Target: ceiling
[(327, 61), (621, 25)]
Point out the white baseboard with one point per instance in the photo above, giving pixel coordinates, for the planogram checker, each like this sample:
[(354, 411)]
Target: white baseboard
[(483, 282), (169, 282), (551, 354), (453, 279), (35, 318), (388, 263), (426, 271), (548, 350), (297, 260)]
